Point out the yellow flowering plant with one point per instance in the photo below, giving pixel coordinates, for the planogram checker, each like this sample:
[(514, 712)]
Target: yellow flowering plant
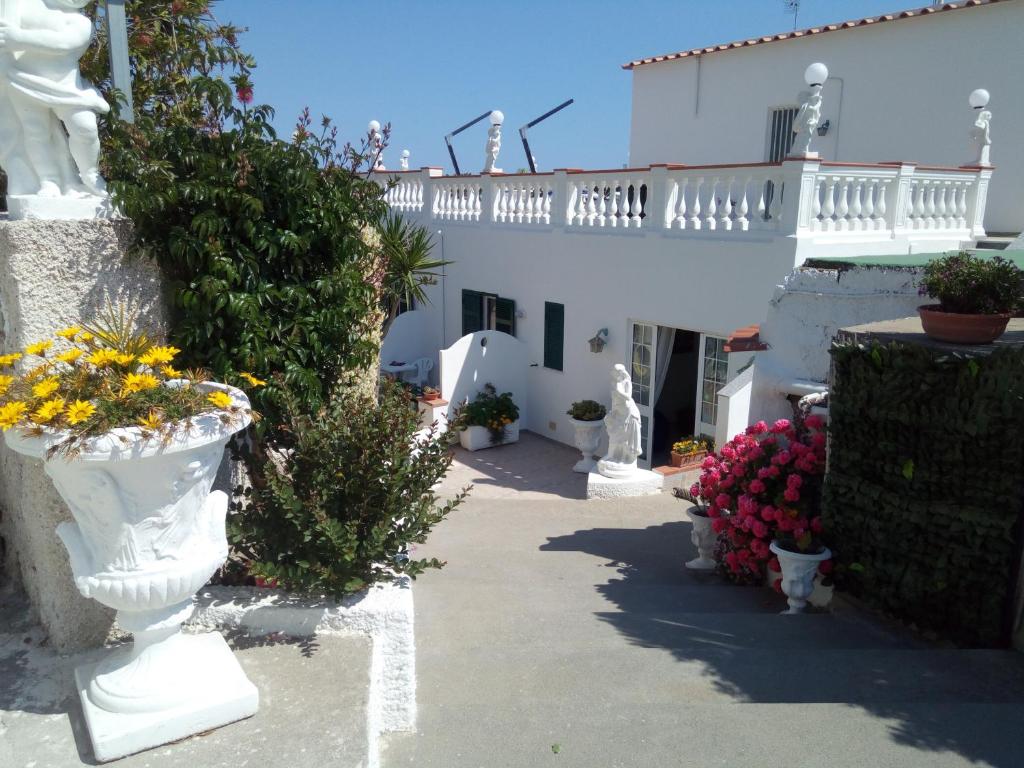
[(94, 378)]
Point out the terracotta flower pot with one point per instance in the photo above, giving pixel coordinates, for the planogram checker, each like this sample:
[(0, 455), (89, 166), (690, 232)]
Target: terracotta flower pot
[(959, 328), (687, 461)]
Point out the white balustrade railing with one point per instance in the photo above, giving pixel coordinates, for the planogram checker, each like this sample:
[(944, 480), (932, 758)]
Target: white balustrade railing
[(830, 201)]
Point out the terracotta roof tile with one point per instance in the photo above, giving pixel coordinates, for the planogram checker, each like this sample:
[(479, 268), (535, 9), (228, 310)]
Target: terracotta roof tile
[(911, 14)]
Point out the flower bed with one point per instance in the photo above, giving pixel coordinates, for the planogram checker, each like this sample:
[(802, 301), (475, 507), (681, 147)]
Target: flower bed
[(690, 453)]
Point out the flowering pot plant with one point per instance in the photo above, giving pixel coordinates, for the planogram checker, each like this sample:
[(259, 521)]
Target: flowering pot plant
[(489, 410), (430, 394), (588, 427), (764, 487), (976, 297), (690, 451), (133, 446)]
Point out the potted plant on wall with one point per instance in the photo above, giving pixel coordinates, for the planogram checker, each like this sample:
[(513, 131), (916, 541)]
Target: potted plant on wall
[(689, 452), (431, 395), (133, 445), (488, 420), (587, 420), (976, 297)]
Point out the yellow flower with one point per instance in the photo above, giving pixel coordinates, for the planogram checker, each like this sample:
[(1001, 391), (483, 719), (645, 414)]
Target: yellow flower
[(11, 414), (86, 336), (101, 358), (39, 348), (69, 333), (159, 356), (123, 358), (46, 387), (138, 382), (79, 411), (70, 356), (171, 372), (220, 399), (152, 421), (34, 373), (253, 380), (48, 411), (5, 383), (8, 360)]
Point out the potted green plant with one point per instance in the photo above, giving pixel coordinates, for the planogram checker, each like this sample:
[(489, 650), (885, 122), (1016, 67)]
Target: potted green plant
[(689, 452), (976, 297), (430, 394), (489, 419), (587, 421)]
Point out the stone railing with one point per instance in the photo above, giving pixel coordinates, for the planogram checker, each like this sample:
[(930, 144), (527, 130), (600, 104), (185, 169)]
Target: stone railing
[(830, 202)]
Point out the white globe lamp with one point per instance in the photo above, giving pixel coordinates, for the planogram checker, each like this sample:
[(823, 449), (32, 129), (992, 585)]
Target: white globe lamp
[(497, 117), (816, 74), (979, 98)]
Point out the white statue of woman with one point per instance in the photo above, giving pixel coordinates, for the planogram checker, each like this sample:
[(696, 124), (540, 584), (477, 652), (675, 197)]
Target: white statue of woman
[(493, 143), (805, 124), (43, 95), (982, 136), (623, 424)]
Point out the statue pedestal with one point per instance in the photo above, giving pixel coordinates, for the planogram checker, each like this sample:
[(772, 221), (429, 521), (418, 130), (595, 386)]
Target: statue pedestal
[(87, 207), (641, 482)]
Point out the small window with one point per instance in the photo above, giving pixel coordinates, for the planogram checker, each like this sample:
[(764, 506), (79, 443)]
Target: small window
[(554, 335), (487, 312), (716, 367)]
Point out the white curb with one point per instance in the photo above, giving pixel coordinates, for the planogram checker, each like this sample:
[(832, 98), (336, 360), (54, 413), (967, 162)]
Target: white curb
[(384, 612)]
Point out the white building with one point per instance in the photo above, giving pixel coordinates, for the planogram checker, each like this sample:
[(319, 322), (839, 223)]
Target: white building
[(896, 84), (669, 260)]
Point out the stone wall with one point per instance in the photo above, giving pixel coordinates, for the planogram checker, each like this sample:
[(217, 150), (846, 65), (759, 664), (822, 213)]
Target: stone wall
[(54, 274)]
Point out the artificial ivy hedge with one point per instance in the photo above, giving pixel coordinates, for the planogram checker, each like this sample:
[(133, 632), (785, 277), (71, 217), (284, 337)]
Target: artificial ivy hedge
[(925, 488)]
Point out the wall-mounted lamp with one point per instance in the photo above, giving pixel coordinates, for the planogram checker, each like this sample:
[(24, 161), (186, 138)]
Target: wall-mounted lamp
[(823, 128), (599, 341)]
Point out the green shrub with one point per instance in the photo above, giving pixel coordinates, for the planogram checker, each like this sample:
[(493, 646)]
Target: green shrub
[(922, 499), (342, 493), (970, 285), (587, 410)]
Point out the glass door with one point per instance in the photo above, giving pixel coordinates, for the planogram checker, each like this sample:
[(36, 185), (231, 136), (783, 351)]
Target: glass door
[(641, 366)]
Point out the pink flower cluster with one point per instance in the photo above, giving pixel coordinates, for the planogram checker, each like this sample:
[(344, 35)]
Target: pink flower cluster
[(760, 485)]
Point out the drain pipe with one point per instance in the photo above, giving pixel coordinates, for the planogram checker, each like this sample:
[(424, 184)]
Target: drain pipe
[(444, 294)]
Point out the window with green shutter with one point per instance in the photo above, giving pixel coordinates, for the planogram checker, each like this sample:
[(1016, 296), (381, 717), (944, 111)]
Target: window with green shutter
[(487, 312), (554, 334), (472, 312), (505, 316)]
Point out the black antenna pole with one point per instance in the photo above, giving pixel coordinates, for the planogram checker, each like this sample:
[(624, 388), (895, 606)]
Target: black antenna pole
[(522, 131), (456, 132)]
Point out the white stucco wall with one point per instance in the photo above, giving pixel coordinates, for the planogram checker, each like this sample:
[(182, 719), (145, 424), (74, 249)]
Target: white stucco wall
[(485, 357), (897, 91), (411, 336), (605, 280)]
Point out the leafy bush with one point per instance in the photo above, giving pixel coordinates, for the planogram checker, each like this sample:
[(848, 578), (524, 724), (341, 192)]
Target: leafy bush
[(587, 410), (922, 502), (969, 285), (764, 486), (342, 493), (488, 409)]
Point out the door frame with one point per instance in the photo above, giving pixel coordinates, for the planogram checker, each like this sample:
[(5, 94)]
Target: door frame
[(646, 411)]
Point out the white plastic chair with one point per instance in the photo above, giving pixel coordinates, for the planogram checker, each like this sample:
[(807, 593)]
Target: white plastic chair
[(424, 366)]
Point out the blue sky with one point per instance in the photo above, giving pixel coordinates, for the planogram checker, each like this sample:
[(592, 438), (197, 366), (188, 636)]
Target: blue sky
[(428, 66)]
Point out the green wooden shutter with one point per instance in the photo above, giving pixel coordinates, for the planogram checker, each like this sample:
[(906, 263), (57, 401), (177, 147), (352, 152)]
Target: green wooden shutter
[(554, 334), (472, 312), (505, 316)]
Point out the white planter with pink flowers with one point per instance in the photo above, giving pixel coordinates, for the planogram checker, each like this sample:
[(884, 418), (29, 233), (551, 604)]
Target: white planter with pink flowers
[(798, 573)]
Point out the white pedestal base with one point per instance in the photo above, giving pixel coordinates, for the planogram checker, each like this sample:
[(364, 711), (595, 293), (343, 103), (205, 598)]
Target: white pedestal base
[(641, 483), (59, 208), (225, 696), (586, 465)]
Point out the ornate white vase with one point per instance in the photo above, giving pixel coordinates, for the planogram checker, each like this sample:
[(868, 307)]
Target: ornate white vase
[(703, 537), (588, 438), (798, 571), (147, 534)]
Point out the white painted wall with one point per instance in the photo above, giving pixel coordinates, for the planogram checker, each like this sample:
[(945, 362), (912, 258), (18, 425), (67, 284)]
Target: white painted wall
[(605, 280), (485, 357), (897, 91)]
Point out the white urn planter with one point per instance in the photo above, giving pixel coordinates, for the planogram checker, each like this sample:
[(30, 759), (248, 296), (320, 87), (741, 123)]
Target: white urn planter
[(588, 438), (147, 534), (703, 537), (798, 572), (478, 438)]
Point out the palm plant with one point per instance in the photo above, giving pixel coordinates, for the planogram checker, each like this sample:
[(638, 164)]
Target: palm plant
[(409, 266)]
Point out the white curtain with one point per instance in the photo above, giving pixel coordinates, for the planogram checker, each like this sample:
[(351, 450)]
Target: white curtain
[(666, 339)]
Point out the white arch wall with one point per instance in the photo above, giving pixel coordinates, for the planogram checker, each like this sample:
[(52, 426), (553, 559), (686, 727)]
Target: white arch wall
[(413, 335), (485, 357)]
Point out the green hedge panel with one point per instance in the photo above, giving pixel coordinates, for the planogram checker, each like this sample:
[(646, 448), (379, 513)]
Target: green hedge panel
[(925, 488)]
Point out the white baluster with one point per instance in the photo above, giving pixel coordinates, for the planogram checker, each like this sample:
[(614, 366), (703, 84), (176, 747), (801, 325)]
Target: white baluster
[(880, 205), (725, 214), (855, 205), (637, 209), (929, 207), (828, 207), (602, 205), (581, 204), (843, 205), (695, 220), (741, 212), (775, 205), (520, 203), (918, 209), (815, 222), (760, 219), (680, 219), (591, 204), (868, 219), (710, 219), (548, 190), (961, 207)]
